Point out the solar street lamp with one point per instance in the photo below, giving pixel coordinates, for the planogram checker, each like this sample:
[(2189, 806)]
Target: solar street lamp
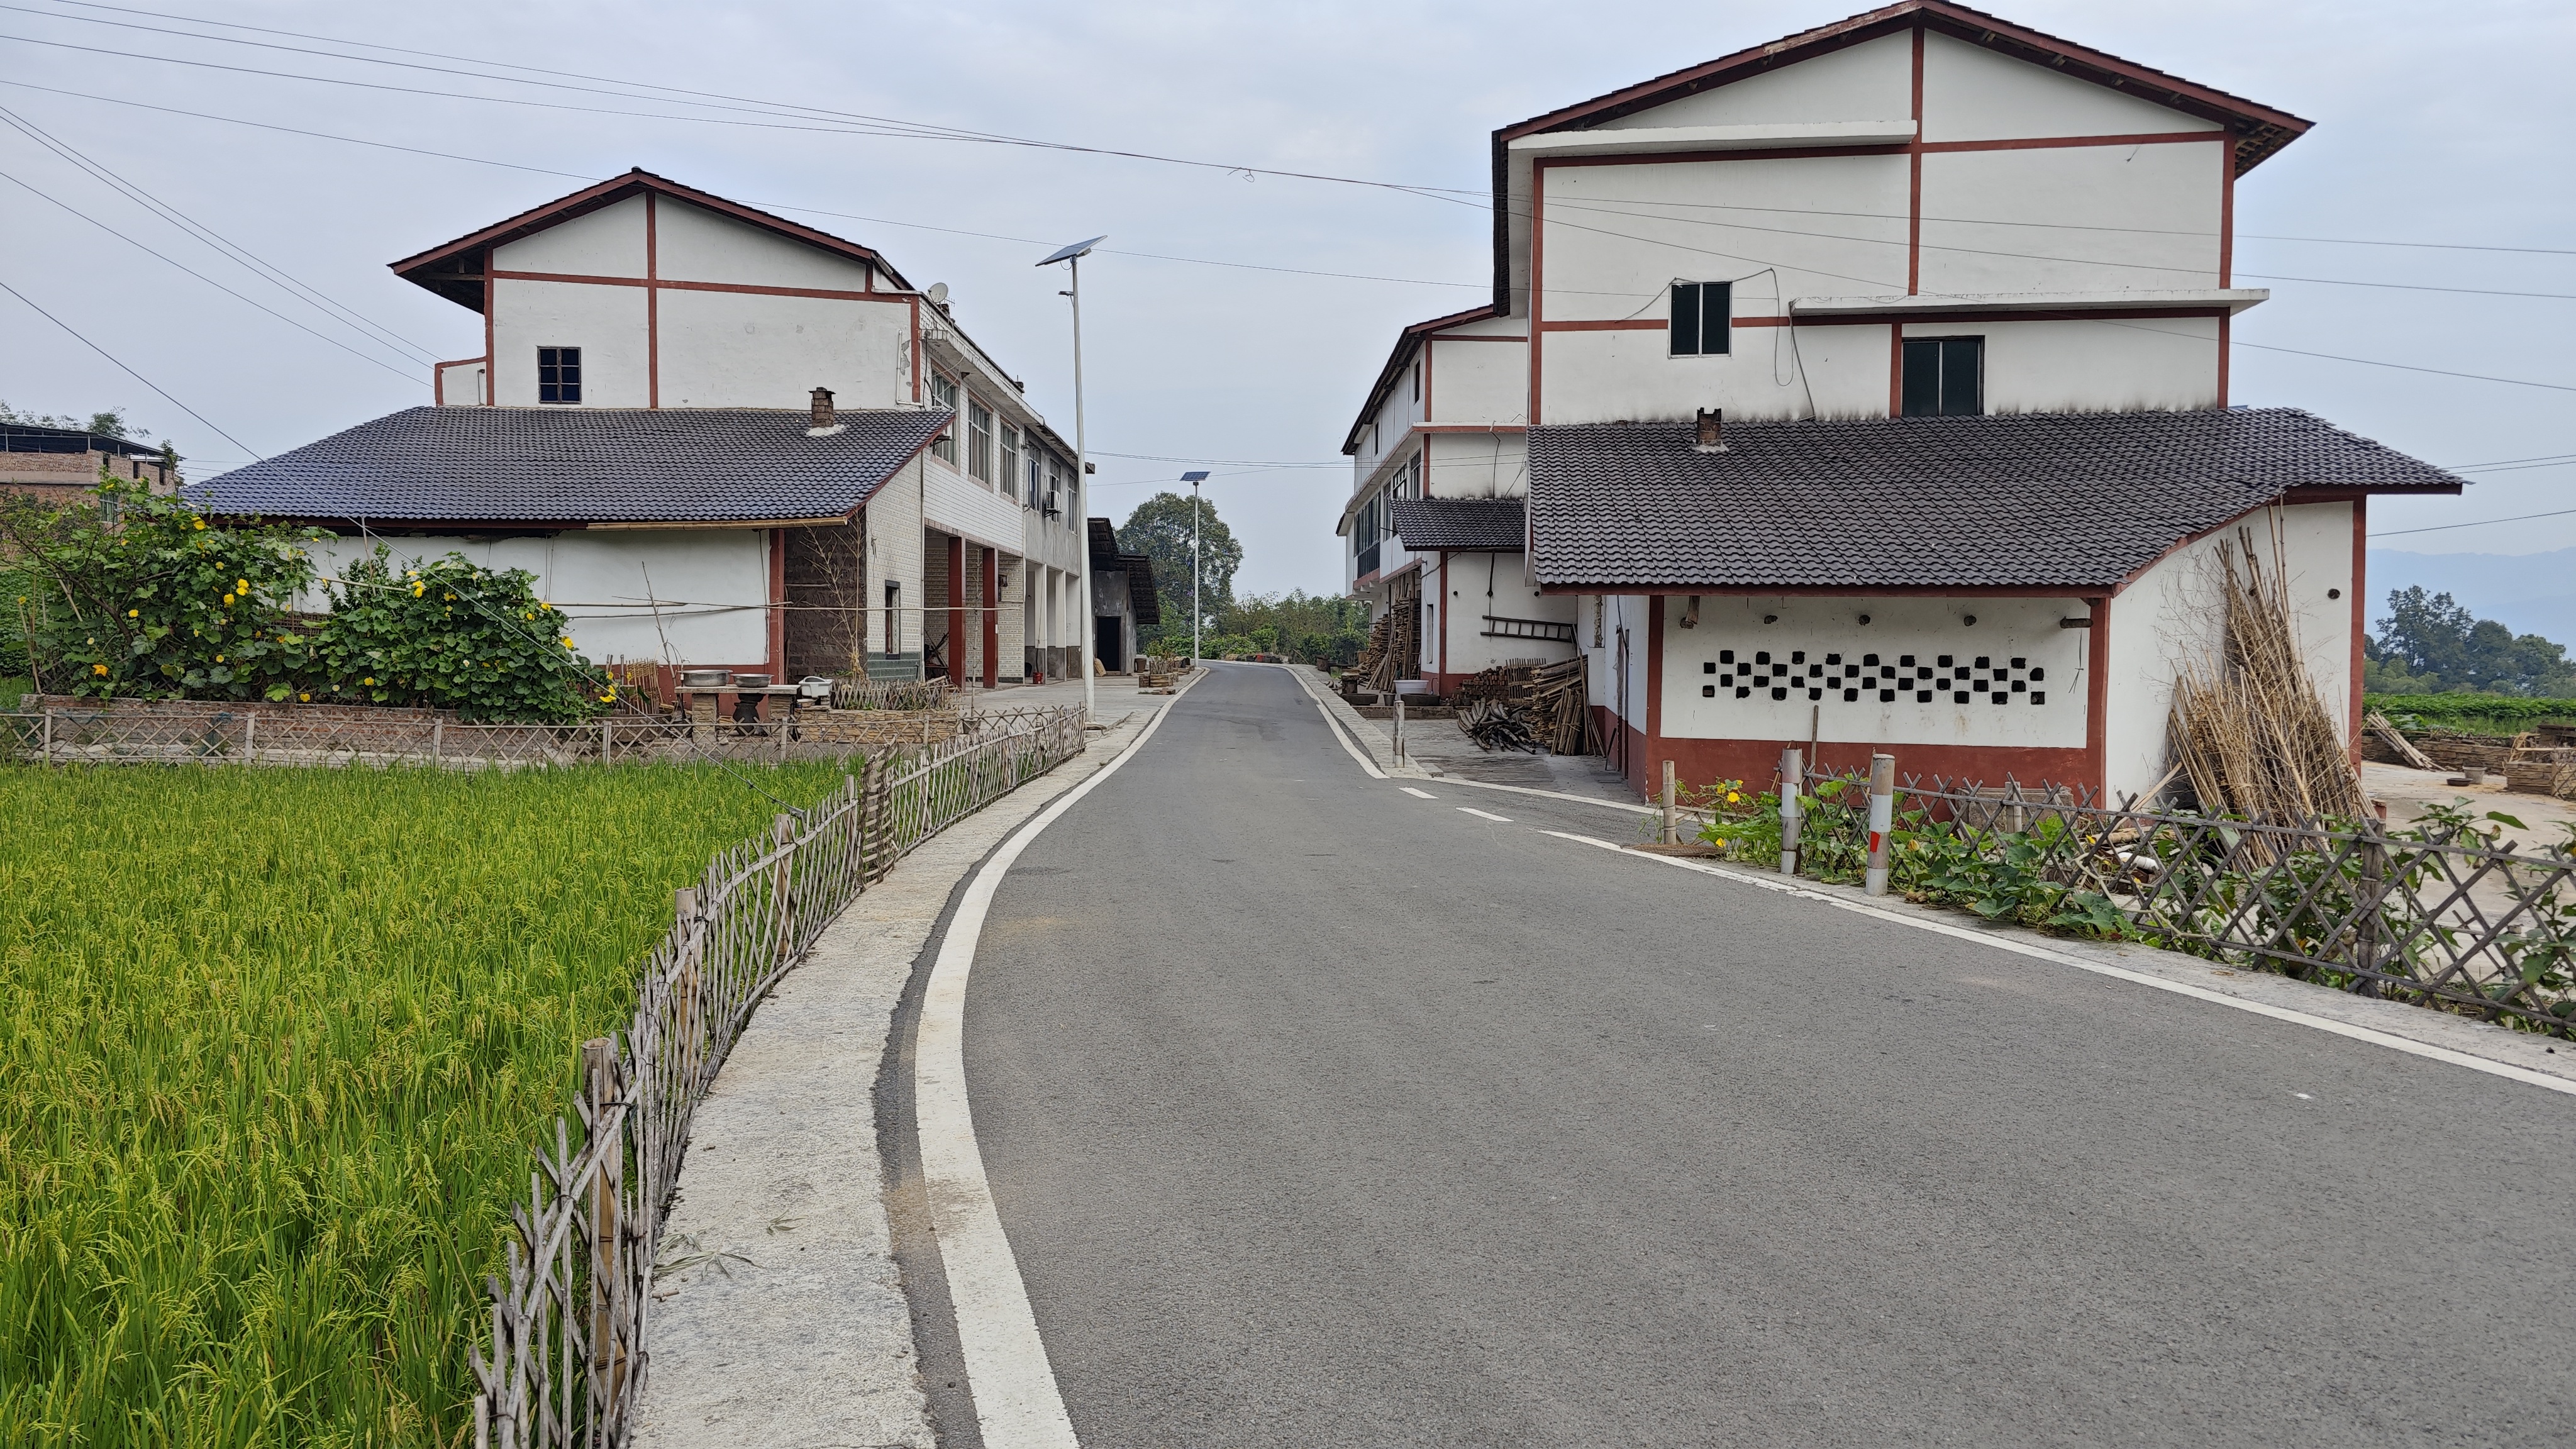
[(1072, 257), (1197, 570)]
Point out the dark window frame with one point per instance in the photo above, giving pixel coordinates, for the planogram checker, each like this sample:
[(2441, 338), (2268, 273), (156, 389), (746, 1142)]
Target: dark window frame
[(1942, 377), (559, 376), (1700, 308)]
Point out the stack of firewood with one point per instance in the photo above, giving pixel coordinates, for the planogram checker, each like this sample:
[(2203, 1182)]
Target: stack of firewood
[(1560, 706)]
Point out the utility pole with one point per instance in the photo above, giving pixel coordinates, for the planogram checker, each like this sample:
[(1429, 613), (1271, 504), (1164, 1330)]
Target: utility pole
[(1198, 566), (1072, 256)]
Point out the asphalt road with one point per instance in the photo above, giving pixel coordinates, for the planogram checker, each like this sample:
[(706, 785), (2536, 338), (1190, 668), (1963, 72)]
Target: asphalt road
[(1322, 1114)]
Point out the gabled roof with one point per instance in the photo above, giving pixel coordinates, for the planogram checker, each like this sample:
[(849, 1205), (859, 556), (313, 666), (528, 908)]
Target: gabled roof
[(577, 466), (2256, 130), (2040, 502), (1143, 599), (1459, 525), (37, 438), (454, 270), (1405, 343)]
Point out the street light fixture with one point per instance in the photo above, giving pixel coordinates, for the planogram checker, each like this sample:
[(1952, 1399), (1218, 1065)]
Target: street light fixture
[(1072, 257), (1197, 569)]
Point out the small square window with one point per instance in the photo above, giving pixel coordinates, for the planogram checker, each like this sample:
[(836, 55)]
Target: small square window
[(1944, 377), (559, 374), (1887, 696), (1799, 657), (1779, 694), (2021, 664), (1708, 691), (2018, 686), (1815, 694), (1869, 659), (1946, 661), (1743, 693), (1708, 669), (1703, 318), (1833, 659), (1985, 663), (2037, 675), (1726, 656), (1762, 658), (1851, 696), (1922, 696), (1960, 697), (2038, 696), (1905, 661)]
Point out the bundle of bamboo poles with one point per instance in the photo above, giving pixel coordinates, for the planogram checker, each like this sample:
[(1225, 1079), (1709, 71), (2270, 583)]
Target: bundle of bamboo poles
[(2248, 728)]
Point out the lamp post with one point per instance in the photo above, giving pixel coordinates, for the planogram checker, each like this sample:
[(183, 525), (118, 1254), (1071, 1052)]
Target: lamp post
[(1198, 570), (1072, 257)]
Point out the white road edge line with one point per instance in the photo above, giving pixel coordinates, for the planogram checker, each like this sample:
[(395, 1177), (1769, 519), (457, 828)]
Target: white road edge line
[(1333, 727), (1485, 814), (2198, 993), (1017, 1404), (1417, 794)]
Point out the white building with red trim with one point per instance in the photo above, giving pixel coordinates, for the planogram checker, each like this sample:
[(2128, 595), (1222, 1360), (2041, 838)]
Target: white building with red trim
[(720, 438), (1901, 339)]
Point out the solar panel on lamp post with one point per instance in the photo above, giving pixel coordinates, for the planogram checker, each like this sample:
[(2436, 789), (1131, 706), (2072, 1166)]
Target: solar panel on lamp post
[(1072, 257), (1197, 569)]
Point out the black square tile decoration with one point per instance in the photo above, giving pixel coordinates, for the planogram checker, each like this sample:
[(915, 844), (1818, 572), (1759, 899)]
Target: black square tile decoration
[(1869, 659), (1959, 698), (1887, 696), (1815, 694), (1741, 692), (1765, 657), (1708, 691), (2039, 696), (1798, 656), (1999, 682), (1726, 656), (1833, 659), (1905, 660), (1945, 661), (1708, 669), (2037, 675), (1984, 663), (1850, 695), (2021, 664), (1922, 696)]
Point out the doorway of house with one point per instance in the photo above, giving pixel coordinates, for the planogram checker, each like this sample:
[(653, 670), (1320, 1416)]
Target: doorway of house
[(1111, 643)]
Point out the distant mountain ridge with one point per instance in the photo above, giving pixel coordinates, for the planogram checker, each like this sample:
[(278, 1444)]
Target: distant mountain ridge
[(2529, 593)]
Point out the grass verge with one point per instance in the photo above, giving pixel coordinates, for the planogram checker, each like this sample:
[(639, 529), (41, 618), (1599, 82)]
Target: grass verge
[(273, 1047)]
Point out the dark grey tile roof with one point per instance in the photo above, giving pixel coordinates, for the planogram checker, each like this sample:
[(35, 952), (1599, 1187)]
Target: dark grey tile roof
[(1478, 524), (580, 465), (2057, 500)]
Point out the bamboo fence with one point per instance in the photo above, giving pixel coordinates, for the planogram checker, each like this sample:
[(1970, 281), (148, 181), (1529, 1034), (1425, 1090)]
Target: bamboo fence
[(568, 1353)]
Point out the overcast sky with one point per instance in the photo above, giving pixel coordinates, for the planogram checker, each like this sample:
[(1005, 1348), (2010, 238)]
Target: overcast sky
[(2443, 124)]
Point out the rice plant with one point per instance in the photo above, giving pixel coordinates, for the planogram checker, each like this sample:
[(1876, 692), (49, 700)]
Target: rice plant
[(273, 1047)]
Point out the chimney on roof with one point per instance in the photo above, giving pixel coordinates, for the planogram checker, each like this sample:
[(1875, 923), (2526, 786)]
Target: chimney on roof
[(825, 425), (1712, 431)]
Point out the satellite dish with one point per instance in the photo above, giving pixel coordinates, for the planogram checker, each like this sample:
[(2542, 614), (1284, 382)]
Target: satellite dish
[(938, 294)]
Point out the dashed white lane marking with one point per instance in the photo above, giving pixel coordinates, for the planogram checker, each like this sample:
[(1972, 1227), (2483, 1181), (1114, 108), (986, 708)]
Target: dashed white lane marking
[(1484, 814), (1417, 794), (1017, 1403), (2024, 948)]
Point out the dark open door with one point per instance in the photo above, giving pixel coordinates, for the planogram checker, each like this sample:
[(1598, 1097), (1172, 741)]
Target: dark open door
[(1112, 642)]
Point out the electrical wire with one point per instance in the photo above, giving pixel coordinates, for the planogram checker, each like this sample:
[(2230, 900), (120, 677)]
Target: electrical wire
[(128, 371), (2481, 523), (209, 281), (275, 275), (2337, 357)]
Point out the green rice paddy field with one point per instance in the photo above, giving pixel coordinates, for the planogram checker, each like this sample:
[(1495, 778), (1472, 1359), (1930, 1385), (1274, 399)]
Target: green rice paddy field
[(273, 1047)]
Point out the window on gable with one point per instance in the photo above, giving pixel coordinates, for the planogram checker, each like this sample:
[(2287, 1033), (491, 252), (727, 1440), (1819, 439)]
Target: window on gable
[(558, 374), (943, 394), (1008, 475), (1945, 377), (1703, 318), (979, 440), (1037, 465)]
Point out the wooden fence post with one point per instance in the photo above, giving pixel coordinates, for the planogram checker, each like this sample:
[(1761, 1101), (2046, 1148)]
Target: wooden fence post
[(437, 740), (872, 803), (2374, 902), (1793, 778), (250, 739), (48, 737), (607, 741), (1672, 814), (782, 902), (607, 1231), (692, 964)]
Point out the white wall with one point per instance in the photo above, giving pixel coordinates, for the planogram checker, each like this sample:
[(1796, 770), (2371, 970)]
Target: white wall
[(712, 585), (608, 242), (606, 323), (1971, 93), (731, 349), (1482, 382), (2163, 623), (692, 244), (460, 384), (2041, 367), (1871, 81), (1466, 601), (1828, 633), (2035, 210)]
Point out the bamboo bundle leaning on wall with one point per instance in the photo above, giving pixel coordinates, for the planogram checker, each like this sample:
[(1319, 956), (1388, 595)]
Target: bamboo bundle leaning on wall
[(2249, 728)]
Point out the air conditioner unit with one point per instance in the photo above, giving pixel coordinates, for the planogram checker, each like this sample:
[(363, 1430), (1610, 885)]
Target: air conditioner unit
[(1052, 506)]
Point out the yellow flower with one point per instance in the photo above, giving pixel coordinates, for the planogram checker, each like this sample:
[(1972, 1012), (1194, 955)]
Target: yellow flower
[(241, 586), (98, 669), (228, 601), (567, 642), (419, 589), (369, 680), (304, 698), (1732, 797), (134, 613), (219, 659), (200, 522)]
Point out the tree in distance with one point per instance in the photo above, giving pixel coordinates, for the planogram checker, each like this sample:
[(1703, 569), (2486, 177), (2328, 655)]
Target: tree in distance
[(2432, 644)]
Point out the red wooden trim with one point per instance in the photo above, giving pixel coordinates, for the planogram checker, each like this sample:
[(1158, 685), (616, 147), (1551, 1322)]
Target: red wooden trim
[(778, 606), (1468, 428), (1841, 591), (1733, 153), (1538, 252), (2226, 215), (956, 645), (992, 612), (2097, 695), (1895, 369), (491, 300), (1972, 26), (2059, 314), (609, 193), (1914, 182), (1654, 674), (669, 284), (1426, 399), (916, 346), (2223, 351), (653, 314), (2360, 576), (1444, 594), (2051, 143), (460, 362), (1620, 324), (1471, 337)]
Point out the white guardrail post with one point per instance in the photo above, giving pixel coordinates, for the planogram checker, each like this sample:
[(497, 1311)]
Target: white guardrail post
[(1793, 765), (1882, 818)]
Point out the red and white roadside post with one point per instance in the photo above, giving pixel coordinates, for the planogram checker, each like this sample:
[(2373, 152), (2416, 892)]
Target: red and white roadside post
[(1882, 819), (1793, 775)]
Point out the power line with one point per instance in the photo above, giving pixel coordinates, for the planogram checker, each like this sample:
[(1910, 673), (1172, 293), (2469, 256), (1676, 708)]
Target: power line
[(2481, 523), (129, 372), (2336, 357), (209, 281), (258, 266)]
